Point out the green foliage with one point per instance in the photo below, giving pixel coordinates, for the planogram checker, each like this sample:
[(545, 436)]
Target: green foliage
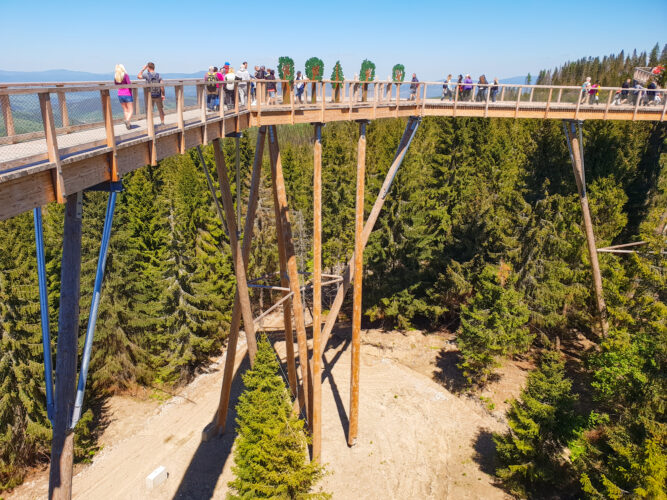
[(492, 325), (271, 447), (367, 71), (398, 73), (337, 75), (286, 68), (315, 69), (540, 422)]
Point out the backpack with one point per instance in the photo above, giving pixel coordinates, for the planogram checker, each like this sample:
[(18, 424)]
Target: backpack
[(211, 88), (156, 92)]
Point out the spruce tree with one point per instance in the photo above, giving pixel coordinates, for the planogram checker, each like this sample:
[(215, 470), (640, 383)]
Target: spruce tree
[(492, 325), (270, 454), (530, 453)]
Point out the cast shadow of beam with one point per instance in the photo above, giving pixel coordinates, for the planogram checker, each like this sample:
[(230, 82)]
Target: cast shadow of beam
[(327, 373), (209, 460)]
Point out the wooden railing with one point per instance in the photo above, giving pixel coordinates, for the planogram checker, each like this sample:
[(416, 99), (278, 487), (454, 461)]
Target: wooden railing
[(78, 110), (62, 156)]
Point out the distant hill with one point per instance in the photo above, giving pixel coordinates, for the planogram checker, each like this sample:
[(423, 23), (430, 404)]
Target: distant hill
[(65, 75)]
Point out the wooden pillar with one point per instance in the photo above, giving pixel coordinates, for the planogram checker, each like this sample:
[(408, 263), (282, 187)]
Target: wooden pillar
[(7, 115), (292, 271), (253, 196), (62, 444), (348, 273), (356, 310), (576, 152), (316, 407), (237, 253)]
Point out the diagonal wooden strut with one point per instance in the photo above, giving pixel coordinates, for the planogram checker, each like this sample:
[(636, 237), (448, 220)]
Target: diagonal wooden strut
[(237, 253), (348, 274), (287, 308), (573, 135), (253, 196), (292, 271)]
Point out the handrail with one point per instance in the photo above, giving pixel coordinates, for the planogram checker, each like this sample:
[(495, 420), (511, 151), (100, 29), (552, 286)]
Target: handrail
[(55, 87)]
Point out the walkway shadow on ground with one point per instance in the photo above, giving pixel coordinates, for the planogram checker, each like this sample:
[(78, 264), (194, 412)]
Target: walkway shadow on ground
[(327, 373), (209, 460), (485, 451), (337, 338), (447, 373)]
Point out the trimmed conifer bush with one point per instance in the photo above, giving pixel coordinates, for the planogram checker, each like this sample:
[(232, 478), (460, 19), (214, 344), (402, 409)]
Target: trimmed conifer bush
[(286, 72), (337, 76), (270, 455), (314, 72)]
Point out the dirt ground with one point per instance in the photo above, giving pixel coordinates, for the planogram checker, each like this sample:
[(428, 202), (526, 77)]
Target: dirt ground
[(417, 438)]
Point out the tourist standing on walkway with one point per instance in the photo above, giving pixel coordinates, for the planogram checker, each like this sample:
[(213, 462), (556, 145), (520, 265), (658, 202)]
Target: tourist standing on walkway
[(593, 93), (494, 89), (271, 86), (230, 77), (627, 84), (212, 88), (243, 75), (121, 77), (300, 86), (459, 86), (413, 87), (482, 88), (447, 89), (467, 88), (650, 94), (149, 74), (585, 87)]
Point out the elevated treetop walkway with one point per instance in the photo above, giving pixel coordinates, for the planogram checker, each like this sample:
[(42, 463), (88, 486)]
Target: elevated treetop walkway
[(60, 138), (54, 153)]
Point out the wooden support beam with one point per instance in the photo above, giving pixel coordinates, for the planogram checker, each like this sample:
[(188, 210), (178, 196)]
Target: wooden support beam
[(111, 139), (316, 407), (52, 146), (358, 266), (150, 127), (62, 444), (576, 152), (201, 95), (237, 252), (7, 115), (62, 103), (348, 273), (287, 307), (253, 197), (180, 105), (292, 271)]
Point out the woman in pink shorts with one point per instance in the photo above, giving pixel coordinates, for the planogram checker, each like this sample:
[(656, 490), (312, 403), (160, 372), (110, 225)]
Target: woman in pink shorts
[(124, 95)]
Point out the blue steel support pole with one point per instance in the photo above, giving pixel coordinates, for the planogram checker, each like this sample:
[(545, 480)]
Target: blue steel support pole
[(92, 317), (44, 310)]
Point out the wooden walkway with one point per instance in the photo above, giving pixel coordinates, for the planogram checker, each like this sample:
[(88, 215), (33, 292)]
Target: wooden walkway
[(39, 167)]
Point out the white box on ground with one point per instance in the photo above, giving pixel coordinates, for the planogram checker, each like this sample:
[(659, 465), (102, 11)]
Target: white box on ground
[(156, 478)]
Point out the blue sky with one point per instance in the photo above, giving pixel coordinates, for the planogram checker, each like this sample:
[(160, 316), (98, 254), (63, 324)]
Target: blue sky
[(432, 38)]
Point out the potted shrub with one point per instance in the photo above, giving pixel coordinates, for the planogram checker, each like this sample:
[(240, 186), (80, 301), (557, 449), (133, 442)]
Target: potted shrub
[(314, 72), (337, 76), (286, 72), (366, 74)]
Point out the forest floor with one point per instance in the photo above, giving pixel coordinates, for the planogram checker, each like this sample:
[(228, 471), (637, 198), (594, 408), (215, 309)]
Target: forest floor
[(417, 438)]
